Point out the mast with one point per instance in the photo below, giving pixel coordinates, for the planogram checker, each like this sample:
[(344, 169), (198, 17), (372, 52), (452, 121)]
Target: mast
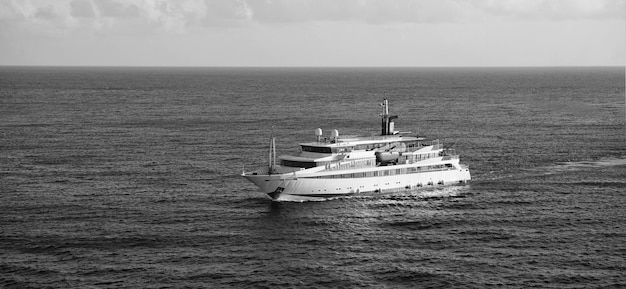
[(272, 156), (387, 125)]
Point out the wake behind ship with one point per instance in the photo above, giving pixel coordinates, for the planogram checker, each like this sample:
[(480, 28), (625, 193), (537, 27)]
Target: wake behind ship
[(342, 166)]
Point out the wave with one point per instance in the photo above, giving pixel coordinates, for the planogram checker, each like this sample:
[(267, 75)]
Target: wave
[(608, 162)]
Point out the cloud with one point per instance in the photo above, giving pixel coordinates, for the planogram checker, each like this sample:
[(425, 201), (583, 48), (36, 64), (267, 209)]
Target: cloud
[(364, 11), (151, 17), (431, 11), (267, 32), (46, 13), (180, 15), (114, 9), (556, 10), (82, 9)]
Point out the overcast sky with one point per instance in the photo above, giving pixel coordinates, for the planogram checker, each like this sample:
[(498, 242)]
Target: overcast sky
[(313, 32)]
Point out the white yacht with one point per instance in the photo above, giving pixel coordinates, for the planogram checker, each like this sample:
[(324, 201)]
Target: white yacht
[(337, 166)]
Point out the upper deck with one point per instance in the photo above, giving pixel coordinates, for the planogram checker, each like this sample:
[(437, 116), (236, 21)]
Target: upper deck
[(360, 140), (348, 144)]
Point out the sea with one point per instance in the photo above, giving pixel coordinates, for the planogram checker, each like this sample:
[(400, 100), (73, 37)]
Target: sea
[(130, 177)]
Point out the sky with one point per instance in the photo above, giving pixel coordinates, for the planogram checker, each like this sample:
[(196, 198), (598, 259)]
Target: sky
[(313, 32)]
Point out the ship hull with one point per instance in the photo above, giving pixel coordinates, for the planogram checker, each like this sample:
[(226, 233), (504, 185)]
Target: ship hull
[(289, 187)]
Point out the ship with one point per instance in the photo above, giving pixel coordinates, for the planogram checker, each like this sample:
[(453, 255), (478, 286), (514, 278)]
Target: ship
[(336, 166)]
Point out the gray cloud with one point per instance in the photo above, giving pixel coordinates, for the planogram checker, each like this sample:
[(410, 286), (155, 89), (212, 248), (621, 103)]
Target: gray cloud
[(427, 11), (183, 14), (46, 13), (313, 32), (117, 9), (82, 9), (368, 11), (553, 9)]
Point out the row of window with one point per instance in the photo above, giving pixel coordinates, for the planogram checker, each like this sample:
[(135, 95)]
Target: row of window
[(377, 189), (391, 172), (349, 165), (418, 157), (297, 164), (306, 165), (353, 164), (313, 149)]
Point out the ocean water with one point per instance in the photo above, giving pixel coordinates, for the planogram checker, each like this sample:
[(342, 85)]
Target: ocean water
[(129, 178)]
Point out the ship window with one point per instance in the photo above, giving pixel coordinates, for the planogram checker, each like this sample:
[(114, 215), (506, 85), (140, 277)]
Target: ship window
[(342, 150), (316, 149), (296, 164)]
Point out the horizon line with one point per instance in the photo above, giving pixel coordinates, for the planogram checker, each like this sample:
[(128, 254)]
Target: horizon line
[(316, 66)]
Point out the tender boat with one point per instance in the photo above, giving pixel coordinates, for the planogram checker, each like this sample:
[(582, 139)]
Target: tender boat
[(337, 166)]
